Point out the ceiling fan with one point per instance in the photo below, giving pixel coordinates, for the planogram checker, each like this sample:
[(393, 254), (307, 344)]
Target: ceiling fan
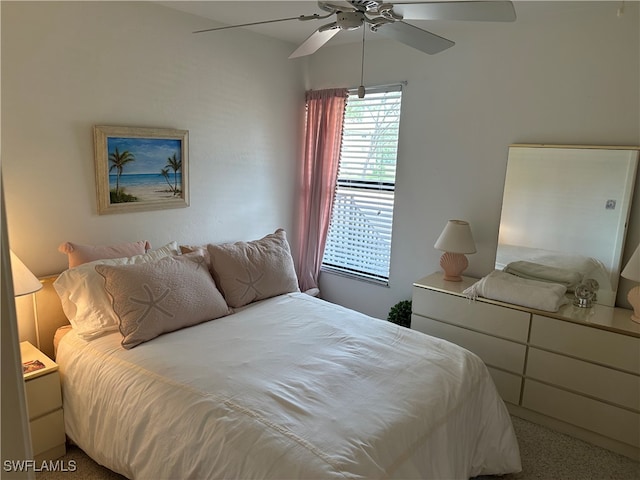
[(389, 20)]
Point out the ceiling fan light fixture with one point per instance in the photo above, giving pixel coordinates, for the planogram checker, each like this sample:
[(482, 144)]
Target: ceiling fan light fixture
[(350, 20)]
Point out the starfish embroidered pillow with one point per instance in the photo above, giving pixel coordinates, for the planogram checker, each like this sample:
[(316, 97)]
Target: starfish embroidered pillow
[(155, 298), (84, 299), (251, 271)]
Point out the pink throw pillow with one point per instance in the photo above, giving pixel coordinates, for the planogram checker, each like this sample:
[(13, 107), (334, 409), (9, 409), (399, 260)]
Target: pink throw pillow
[(78, 254)]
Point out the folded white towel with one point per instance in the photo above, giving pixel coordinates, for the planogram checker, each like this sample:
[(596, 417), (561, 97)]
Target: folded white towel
[(544, 273), (519, 291)]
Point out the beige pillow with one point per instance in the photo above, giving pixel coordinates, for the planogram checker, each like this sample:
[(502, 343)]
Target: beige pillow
[(160, 297), (250, 271)]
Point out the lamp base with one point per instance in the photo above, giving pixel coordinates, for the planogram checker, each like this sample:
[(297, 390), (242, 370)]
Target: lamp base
[(634, 300), (453, 265)]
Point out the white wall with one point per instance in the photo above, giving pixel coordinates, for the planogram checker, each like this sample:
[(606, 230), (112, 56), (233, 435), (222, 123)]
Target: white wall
[(71, 65), (561, 74), (550, 77)]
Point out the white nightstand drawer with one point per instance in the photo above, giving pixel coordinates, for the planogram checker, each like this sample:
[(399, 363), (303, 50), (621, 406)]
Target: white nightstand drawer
[(599, 346), (44, 404), (484, 317), (47, 432), (493, 351), (43, 394)]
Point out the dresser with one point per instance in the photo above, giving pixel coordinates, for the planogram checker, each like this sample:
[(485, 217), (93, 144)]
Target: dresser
[(576, 370), (44, 404)]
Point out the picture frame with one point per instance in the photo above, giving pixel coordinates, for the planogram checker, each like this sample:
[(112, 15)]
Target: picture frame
[(141, 169)]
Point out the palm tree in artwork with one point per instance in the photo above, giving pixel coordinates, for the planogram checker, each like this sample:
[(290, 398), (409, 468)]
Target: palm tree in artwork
[(165, 173), (118, 161), (174, 164)]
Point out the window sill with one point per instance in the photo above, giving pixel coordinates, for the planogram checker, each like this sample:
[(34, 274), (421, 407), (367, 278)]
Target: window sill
[(354, 276)]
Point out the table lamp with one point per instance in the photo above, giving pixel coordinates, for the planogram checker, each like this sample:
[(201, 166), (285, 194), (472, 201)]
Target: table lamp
[(632, 272), (455, 240), (24, 283)]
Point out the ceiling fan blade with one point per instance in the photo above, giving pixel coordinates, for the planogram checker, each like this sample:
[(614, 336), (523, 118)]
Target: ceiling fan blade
[(415, 37), (335, 7), (225, 27), (481, 11), (314, 42)]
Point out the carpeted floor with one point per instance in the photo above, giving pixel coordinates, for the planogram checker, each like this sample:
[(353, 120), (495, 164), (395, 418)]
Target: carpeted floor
[(546, 455), (549, 455)]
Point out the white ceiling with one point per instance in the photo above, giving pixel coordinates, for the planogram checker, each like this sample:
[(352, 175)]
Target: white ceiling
[(216, 13), (239, 12)]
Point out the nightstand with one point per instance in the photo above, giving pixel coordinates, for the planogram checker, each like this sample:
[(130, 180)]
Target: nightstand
[(44, 404)]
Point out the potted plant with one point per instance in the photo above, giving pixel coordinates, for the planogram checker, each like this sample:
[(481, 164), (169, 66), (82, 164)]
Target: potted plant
[(400, 313)]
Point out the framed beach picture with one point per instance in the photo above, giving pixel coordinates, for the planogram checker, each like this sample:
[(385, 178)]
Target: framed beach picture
[(141, 169)]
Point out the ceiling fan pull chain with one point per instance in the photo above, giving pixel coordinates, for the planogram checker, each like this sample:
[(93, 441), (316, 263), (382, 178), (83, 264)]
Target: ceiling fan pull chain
[(361, 90)]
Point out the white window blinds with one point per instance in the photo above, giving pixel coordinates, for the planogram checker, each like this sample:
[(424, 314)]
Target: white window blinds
[(359, 239)]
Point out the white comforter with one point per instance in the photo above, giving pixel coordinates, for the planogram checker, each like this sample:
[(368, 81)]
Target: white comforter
[(291, 387)]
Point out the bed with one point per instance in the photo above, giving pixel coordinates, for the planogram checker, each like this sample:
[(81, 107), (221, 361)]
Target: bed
[(286, 386)]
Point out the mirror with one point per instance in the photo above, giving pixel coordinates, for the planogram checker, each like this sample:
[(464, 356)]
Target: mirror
[(567, 207)]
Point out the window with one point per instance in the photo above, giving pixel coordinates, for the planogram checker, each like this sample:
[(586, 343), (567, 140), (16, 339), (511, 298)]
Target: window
[(359, 239)]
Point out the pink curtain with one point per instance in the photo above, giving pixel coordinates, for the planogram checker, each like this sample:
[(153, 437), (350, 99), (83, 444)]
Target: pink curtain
[(323, 138)]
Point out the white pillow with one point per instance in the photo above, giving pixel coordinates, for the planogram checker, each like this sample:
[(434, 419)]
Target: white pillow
[(84, 300)]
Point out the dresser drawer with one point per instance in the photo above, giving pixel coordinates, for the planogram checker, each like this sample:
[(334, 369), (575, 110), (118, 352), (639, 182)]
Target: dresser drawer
[(493, 351), (47, 432), (601, 382), (43, 394), (484, 317), (613, 422), (592, 344), (508, 385)]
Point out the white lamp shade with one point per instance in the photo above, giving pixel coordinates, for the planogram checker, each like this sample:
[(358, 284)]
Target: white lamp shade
[(632, 270), (24, 282), (456, 238)]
